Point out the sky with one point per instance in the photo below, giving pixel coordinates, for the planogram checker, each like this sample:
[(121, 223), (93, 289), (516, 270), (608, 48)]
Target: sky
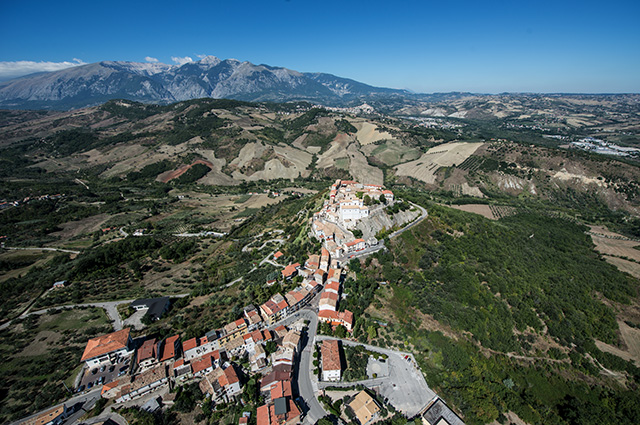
[(424, 46)]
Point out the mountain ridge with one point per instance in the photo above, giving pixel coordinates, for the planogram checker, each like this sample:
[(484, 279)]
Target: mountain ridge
[(95, 83)]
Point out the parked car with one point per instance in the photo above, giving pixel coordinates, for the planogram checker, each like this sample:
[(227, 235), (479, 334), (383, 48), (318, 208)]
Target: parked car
[(94, 371), (89, 385), (80, 389), (101, 380), (102, 368), (112, 368)]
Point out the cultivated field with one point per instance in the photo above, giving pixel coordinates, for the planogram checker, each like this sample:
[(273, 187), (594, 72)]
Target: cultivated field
[(369, 133), (617, 250), (445, 155), (631, 338), (483, 210)]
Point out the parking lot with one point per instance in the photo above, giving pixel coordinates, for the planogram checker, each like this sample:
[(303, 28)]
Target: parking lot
[(377, 368), (104, 374), (403, 385)]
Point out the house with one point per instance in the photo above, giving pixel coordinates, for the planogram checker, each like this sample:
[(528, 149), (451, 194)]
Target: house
[(292, 340), (319, 276), (253, 318), (439, 413), (278, 373), (277, 255), (269, 311), (170, 348), (332, 286), (235, 347), (108, 348), (156, 307), (313, 262), (365, 408), (148, 354), (281, 389), (282, 411), (230, 382), (388, 195), (282, 304), (296, 298), (205, 364), (328, 301), (59, 284), (258, 360), (182, 370), (331, 364), (143, 384), (232, 330), (356, 245), (336, 318), (196, 347), (283, 356), (290, 271), (325, 258)]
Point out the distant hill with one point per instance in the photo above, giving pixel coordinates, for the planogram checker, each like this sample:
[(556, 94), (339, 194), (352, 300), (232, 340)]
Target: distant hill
[(97, 83)]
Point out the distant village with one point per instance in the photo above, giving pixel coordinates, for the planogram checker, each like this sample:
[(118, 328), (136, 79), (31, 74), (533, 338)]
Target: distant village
[(126, 370), (594, 145)]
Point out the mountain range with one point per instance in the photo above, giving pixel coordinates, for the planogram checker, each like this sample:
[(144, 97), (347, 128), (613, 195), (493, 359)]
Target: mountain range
[(96, 83)]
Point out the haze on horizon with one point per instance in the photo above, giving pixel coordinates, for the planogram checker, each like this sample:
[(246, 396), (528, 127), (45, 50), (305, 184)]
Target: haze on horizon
[(489, 47)]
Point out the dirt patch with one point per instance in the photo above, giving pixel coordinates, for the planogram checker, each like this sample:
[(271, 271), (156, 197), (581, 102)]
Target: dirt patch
[(170, 175), (512, 418), (483, 210), (40, 344), (84, 226)]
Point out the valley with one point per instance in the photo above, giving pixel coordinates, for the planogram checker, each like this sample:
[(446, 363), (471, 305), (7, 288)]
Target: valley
[(506, 267)]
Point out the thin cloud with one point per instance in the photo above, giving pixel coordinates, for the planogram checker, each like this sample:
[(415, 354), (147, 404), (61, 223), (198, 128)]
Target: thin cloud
[(16, 69), (150, 59), (181, 61)]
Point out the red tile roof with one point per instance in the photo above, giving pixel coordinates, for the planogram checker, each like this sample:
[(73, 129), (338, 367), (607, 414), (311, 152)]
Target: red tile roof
[(278, 255), (202, 363), (169, 348), (147, 350), (270, 308), (228, 377), (352, 243), (106, 344), (329, 296), (263, 416), (290, 269), (330, 355), (189, 344), (281, 389), (332, 285), (283, 304)]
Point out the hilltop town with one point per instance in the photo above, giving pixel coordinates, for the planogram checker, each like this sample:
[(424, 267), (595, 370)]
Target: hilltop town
[(274, 348)]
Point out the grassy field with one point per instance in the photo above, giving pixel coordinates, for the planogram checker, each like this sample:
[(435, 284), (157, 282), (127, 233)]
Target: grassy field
[(48, 351)]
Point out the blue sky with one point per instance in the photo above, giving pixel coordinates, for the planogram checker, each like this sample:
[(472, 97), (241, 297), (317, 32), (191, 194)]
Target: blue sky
[(424, 46)]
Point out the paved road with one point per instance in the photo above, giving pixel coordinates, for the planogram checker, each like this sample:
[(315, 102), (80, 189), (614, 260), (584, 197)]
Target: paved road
[(266, 259), (246, 248), (82, 403), (110, 307), (307, 388), (35, 248), (375, 248)]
